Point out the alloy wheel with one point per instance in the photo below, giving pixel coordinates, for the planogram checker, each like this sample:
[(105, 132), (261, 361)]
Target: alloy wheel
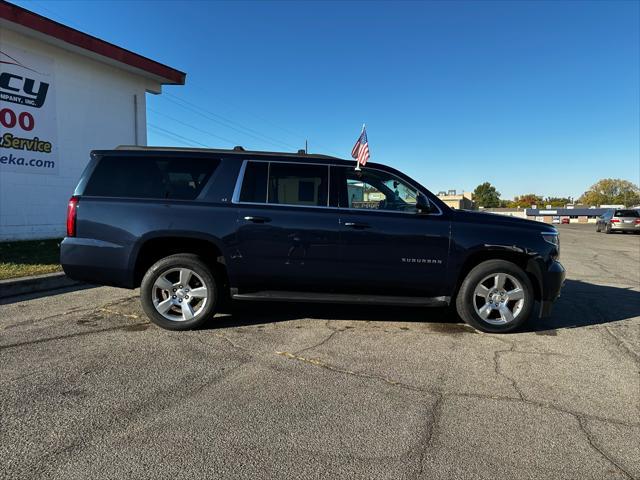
[(179, 294), (499, 298)]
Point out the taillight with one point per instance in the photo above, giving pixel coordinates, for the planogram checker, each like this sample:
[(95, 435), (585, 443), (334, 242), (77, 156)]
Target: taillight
[(615, 220), (72, 209), (637, 220)]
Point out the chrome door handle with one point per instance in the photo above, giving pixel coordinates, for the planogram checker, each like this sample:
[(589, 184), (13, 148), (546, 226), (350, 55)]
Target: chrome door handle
[(357, 225), (255, 219)]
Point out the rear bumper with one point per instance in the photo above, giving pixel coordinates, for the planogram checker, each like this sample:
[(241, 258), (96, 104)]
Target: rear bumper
[(96, 262), (626, 227)]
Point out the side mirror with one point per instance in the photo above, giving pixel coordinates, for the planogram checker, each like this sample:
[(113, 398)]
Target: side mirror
[(422, 204)]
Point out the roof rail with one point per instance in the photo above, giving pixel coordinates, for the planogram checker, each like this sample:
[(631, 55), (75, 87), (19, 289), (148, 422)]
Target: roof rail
[(237, 149)]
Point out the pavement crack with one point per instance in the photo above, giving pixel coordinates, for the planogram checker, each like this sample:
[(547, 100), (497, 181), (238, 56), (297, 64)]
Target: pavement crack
[(498, 370), (620, 343), (49, 317), (319, 344), (319, 363), (103, 308), (115, 312), (427, 437), (439, 392), (213, 380), (233, 344), (71, 335), (549, 406), (582, 425)]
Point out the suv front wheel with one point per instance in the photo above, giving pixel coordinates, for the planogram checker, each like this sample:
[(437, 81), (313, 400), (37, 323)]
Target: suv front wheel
[(496, 296), (179, 292)]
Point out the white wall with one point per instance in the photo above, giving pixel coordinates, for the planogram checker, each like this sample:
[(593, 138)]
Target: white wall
[(519, 213), (95, 110)]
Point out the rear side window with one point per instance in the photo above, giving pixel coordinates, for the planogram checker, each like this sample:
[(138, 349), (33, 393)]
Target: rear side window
[(626, 213), (285, 184), (149, 177), (296, 184)]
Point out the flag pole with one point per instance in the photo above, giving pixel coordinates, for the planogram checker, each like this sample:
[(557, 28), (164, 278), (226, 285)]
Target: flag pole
[(357, 169)]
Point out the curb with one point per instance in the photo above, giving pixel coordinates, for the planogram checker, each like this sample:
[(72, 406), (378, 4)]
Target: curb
[(37, 283)]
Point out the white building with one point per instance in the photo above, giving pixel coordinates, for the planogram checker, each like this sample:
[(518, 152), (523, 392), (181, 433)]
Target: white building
[(63, 93)]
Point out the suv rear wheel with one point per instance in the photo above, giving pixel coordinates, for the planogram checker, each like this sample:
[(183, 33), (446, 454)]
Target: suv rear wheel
[(496, 296), (179, 292)]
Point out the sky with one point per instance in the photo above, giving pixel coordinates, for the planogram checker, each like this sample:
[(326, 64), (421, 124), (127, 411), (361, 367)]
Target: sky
[(534, 97)]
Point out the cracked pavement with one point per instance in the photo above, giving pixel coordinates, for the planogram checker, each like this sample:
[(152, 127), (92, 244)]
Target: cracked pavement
[(89, 389)]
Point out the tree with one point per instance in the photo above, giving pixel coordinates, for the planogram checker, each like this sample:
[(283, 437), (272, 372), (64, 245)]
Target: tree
[(556, 201), (612, 191), (527, 200), (486, 195)]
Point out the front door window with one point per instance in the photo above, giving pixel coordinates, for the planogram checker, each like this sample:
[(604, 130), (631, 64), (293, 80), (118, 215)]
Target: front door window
[(378, 190)]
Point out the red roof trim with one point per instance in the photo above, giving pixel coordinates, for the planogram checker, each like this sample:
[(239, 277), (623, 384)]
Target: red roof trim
[(26, 18)]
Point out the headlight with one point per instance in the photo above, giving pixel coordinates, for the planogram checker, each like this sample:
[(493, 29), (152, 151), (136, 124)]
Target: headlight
[(553, 238)]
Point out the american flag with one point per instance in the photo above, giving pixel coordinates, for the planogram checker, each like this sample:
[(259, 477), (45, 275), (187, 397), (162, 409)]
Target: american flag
[(360, 150)]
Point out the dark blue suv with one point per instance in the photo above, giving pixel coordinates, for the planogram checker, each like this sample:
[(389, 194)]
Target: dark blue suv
[(194, 228)]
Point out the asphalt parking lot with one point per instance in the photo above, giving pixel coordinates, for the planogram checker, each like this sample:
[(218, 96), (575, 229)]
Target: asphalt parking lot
[(89, 389)]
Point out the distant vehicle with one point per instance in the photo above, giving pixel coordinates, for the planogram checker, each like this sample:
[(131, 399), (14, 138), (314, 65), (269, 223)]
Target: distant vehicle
[(565, 221), (619, 220), (194, 228), (556, 219)]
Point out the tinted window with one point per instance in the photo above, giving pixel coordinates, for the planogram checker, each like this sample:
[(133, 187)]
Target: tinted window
[(147, 177), (627, 213), (254, 183), (296, 184), (378, 190)]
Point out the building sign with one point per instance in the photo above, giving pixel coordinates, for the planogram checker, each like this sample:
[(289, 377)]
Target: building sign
[(28, 129)]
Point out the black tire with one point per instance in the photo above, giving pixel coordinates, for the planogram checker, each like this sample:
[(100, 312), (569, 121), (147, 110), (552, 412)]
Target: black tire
[(466, 307), (196, 265), (598, 228), (607, 229)]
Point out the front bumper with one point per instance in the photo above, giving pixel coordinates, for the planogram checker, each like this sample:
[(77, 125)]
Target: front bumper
[(552, 282), (550, 276)]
